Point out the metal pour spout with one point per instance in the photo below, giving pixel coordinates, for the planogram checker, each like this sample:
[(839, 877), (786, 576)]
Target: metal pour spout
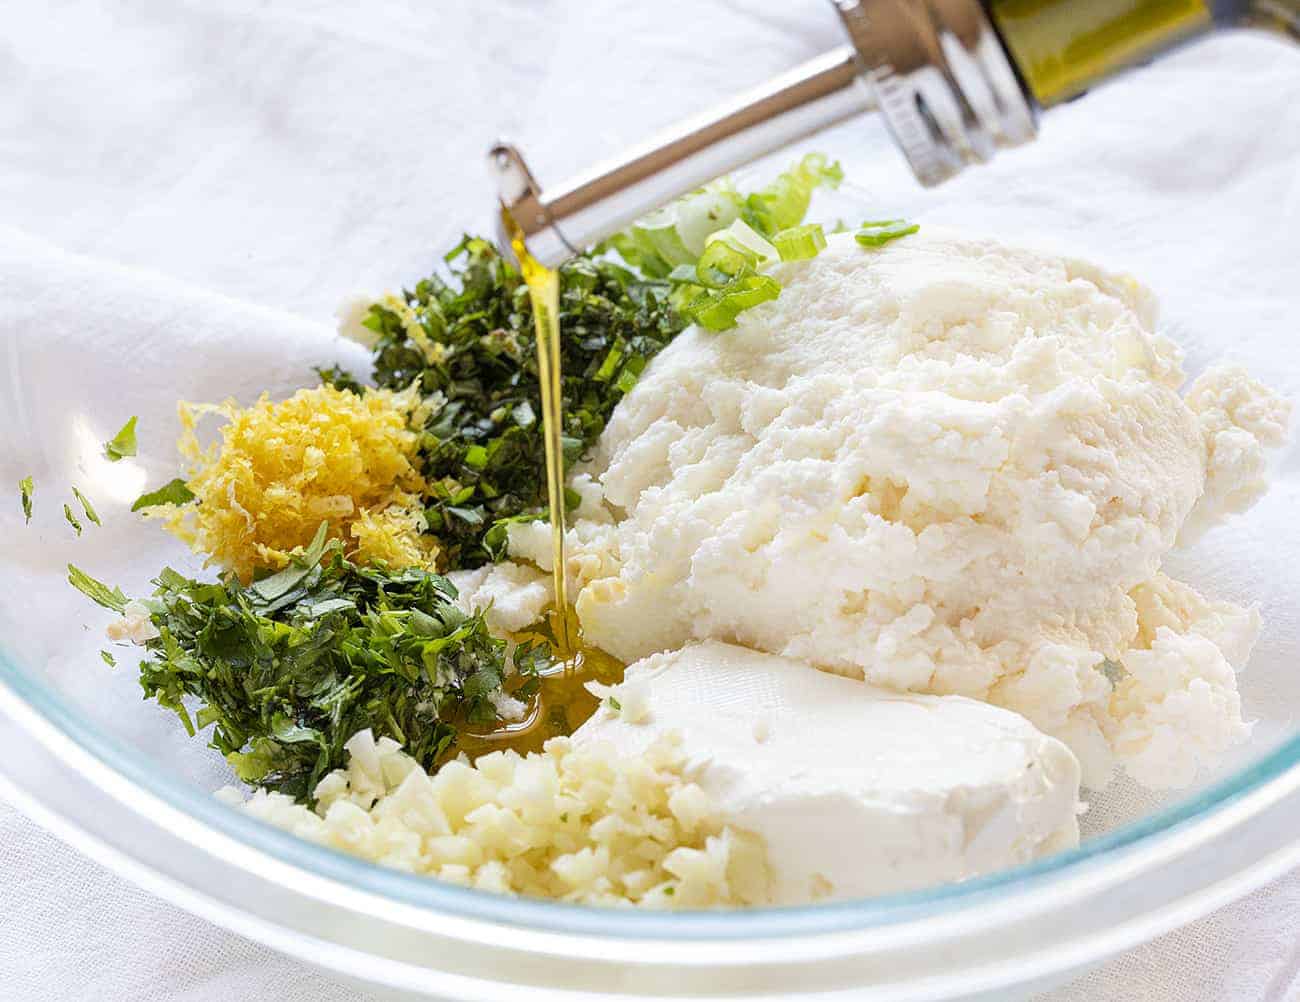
[(602, 200), (936, 70)]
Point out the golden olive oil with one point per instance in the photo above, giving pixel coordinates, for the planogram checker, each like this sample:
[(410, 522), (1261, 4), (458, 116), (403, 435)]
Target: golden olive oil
[(562, 702), (544, 292)]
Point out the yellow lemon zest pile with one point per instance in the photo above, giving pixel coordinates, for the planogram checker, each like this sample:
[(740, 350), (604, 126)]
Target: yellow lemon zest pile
[(280, 469)]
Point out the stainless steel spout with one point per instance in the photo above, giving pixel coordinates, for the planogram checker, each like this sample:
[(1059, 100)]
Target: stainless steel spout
[(600, 201), (935, 69)]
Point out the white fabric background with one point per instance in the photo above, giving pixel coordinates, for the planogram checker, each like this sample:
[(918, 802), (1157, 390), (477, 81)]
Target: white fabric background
[(285, 154)]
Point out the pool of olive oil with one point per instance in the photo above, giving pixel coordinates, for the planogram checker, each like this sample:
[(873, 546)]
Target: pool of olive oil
[(562, 703)]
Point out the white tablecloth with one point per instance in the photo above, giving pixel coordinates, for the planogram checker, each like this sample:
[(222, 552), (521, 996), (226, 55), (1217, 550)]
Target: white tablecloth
[(288, 153)]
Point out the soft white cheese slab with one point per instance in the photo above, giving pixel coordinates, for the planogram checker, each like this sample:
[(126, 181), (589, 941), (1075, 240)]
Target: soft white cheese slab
[(857, 791)]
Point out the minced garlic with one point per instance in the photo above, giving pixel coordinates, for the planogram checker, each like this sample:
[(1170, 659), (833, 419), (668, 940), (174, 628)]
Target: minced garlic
[(578, 823), (280, 469)]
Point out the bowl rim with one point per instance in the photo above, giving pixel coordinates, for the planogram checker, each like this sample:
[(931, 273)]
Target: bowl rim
[(58, 722)]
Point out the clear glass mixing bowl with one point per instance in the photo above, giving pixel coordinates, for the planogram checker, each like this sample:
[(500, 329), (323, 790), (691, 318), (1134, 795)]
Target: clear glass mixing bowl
[(117, 776)]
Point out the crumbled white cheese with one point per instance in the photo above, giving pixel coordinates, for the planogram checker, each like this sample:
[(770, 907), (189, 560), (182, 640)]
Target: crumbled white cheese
[(859, 791), (629, 700), (507, 707), (1240, 418), (1177, 710), (586, 824), (511, 596), (350, 315), (944, 465)]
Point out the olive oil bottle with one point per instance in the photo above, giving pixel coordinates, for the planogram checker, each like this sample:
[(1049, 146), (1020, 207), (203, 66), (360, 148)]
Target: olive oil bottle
[(1060, 48), (955, 80)]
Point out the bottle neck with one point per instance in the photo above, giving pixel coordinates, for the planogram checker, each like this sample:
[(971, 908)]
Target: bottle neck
[(957, 79), (1061, 48)]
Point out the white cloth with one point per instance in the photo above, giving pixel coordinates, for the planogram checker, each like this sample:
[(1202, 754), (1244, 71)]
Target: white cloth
[(283, 155)]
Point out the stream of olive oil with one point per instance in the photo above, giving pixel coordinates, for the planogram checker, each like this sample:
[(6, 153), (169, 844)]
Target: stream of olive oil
[(544, 292), (562, 703)]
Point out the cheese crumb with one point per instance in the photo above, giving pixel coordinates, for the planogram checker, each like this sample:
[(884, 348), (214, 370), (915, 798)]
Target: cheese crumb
[(351, 315), (1240, 418)]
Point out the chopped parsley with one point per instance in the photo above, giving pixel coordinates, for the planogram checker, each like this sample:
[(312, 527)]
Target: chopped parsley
[(122, 444), (71, 518), (111, 599), (288, 668), (470, 343), (615, 705), (86, 506), (173, 492), (26, 488), (108, 659)]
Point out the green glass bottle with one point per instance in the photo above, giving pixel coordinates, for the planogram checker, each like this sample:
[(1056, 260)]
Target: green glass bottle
[(956, 79), (1062, 47)]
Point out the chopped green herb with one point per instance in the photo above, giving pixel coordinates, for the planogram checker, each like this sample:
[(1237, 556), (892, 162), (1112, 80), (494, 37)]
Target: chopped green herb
[(122, 444), (564, 818), (174, 492), (108, 659), (26, 488), (71, 518), (1114, 671), (339, 378), (482, 453), (86, 506), (110, 598), (669, 891), (288, 668), (880, 232), (615, 705)]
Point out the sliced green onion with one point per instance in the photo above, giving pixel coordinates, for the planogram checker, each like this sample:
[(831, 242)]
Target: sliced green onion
[(740, 234), (706, 211), (879, 232), (800, 243), (723, 261), (717, 310), (676, 234), (657, 235), (784, 202)]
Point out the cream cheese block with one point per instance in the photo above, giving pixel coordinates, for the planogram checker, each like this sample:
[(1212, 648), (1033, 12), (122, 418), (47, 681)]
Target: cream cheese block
[(855, 790)]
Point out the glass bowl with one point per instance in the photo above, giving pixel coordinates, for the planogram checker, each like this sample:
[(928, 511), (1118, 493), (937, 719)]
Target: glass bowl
[(118, 778)]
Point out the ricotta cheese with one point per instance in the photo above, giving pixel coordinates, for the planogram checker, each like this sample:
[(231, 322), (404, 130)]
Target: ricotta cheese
[(854, 790), (945, 466)]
